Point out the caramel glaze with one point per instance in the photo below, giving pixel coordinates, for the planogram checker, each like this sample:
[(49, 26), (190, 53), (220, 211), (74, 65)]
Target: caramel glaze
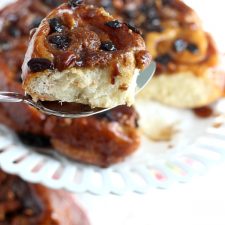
[(210, 59), (28, 204), (203, 112), (85, 27), (155, 17)]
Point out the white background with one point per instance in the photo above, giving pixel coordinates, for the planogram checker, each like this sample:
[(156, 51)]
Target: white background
[(199, 202)]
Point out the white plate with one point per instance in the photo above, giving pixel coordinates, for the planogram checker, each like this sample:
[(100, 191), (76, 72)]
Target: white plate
[(196, 144)]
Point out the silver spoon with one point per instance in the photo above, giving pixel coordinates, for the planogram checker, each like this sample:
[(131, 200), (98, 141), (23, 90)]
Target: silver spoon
[(72, 110)]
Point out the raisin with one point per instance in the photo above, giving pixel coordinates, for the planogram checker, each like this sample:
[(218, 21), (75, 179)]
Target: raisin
[(36, 22), (167, 2), (60, 41), (4, 45), (152, 22), (152, 13), (163, 59), (180, 45), (153, 25), (114, 24), (40, 64), (134, 29), (108, 46), (12, 18), (56, 25), (14, 31), (75, 3), (34, 140), (52, 3), (193, 48)]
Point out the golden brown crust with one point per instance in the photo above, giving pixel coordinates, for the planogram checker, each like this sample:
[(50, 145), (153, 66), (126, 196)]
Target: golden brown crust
[(84, 36), (29, 204), (164, 23)]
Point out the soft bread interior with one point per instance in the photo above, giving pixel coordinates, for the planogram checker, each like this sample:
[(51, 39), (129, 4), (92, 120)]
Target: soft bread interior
[(184, 89), (87, 86)]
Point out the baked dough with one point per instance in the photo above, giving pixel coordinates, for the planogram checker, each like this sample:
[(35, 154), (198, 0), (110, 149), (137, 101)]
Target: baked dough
[(187, 58), (186, 55), (23, 203), (82, 54)]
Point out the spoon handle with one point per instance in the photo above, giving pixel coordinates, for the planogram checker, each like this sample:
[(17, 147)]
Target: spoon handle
[(11, 97)]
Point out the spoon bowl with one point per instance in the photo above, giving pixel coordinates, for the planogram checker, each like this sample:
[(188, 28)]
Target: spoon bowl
[(72, 110)]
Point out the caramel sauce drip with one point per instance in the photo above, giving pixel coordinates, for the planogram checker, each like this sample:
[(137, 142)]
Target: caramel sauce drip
[(115, 72), (203, 112), (143, 59)]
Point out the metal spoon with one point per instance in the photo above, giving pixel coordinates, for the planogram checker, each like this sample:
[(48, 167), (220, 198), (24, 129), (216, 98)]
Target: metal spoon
[(72, 110)]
